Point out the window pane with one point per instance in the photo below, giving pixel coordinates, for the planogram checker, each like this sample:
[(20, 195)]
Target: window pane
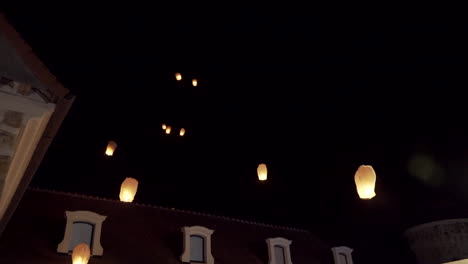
[(343, 258), (197, 250), (81, 233), (279, 255)]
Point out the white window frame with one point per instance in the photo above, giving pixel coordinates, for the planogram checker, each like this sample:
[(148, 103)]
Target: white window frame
[(281, 242), (337, 251), (203, 232), (87, 217)]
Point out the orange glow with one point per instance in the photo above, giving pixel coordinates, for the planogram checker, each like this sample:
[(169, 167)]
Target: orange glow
[(365, 181), (182, 132), (111, 146), (262, 172), (164, 126), (81, 254), (168, 130), (194, 82), (178, 76), (128, 190)]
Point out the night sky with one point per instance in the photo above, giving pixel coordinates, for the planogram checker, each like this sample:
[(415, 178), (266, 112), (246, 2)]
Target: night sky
[(312, 91)]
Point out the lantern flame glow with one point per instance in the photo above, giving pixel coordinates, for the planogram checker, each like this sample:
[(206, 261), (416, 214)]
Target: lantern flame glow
[(365, 181), (128, 190), (81, 254), (262, 172), (168, 130), (178, 76), (182, 132), (194, 82), (164, 126), (111, 146)]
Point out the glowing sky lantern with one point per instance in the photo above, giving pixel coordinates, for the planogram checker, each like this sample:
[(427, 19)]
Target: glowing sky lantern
[(194, 82), (182, 132), (168, 130), (111, 146), (128, 190), (178, 76), (164, 126), (365, 181), (81, 254), (262, 172)]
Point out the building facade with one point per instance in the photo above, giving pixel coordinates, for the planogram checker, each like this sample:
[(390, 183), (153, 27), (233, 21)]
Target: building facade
[(33, 104), (48, 224)]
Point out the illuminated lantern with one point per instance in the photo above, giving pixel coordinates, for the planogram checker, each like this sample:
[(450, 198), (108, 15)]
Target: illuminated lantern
[(194, 82), (128, 190), (365, 181), (262, 172), (164, 126), (178, 76), (111, 146), (81, 254), (168, 130), (182, 132)]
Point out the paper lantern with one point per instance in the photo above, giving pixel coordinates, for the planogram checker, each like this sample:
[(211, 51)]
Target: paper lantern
[(164, 126), (178, 76), (81, 254), (111, 146), (128, 190), (182, 132), (365, 181), (262, 172), (168, 130), (194, 82)]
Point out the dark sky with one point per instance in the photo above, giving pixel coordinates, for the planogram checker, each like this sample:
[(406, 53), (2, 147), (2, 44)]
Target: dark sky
[(312, 91)]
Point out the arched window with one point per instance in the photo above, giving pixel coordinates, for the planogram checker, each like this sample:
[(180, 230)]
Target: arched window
[(197, 245), (82, 232), (343, 258), (82, 227), (278, 250), (279, 255), (197, 249), (342, 255)]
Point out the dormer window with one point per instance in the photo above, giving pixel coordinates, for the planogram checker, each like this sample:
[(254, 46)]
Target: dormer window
[(197, 249), (82, 232), (278, 250), (342, 255), (279, 255), (82, 227), (197, 245)]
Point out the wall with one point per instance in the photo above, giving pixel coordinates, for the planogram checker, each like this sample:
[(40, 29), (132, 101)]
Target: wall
[(439, 242)]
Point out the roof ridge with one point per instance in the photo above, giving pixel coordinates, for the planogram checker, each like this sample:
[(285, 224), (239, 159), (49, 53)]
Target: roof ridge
[(233, 219)]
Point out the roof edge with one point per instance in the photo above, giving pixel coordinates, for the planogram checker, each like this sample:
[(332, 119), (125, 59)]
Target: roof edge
[(232, 219), (34, 64), (423, 226)]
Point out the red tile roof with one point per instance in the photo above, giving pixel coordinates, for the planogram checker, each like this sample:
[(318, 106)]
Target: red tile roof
[(138, 233)]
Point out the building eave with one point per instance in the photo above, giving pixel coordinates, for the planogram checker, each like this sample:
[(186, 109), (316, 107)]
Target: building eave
[(57, 94)]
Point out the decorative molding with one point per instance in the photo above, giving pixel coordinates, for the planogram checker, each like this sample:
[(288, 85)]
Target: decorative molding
[(83, 216), (282, 242), (197, 231), (346, 251), (35, 117)]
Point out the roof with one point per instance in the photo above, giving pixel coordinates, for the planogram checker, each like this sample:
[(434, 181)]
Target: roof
[(19, 63), (83, 196), (139, 233)]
